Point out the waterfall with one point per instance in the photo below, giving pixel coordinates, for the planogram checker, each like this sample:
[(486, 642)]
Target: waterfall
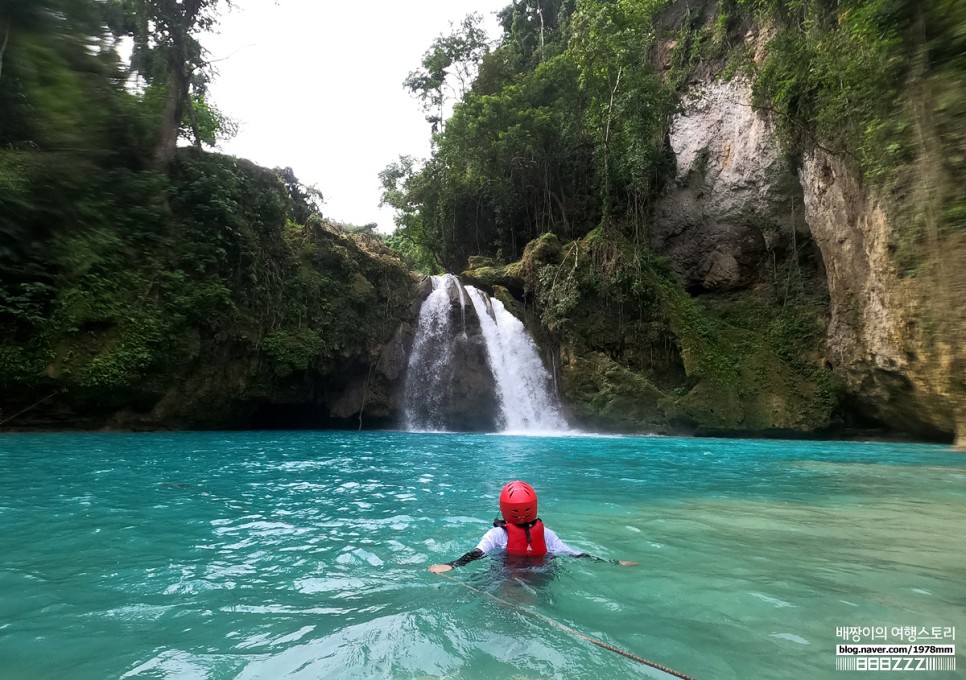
[(474, 366), (430, 359), (524, 387)]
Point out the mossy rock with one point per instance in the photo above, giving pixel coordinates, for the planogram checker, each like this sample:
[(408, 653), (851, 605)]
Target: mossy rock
[(479, 261), (646, 356), (360, 290), (507, 276), (605, 395), (545, 249), (767, 396), (511, 303)]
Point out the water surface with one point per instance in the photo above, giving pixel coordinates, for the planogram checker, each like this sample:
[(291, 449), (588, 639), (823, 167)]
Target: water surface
[(303, 555)]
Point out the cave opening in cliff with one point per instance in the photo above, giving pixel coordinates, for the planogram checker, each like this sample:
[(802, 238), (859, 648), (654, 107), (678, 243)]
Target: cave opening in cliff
[(309, 416)]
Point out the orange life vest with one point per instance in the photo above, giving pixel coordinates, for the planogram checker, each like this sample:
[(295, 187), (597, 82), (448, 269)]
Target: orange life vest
[(523, 539)]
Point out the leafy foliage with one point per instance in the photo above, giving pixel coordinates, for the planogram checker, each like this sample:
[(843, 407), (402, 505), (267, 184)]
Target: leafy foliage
[(836, 77), (170, 61), (564, 124), (643, 353), (880, 84), (561, 140), (448, 68), (141, 296), (119, 282)]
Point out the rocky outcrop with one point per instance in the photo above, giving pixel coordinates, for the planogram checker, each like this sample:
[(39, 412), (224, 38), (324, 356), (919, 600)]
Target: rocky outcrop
[(892, 335), (735, 212), (373, 395), (734, 206)]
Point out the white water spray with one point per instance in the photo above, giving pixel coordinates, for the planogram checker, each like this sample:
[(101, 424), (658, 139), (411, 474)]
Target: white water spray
[(431, 358)]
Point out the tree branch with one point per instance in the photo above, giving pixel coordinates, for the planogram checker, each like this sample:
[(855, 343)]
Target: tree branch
[(610, 107)]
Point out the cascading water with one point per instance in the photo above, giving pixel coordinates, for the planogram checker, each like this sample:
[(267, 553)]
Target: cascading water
[(430, 360), (524, 388), (476, 367)]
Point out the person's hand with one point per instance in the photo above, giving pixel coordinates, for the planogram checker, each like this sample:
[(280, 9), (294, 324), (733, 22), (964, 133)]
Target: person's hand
[(625, 563), (440, 568)]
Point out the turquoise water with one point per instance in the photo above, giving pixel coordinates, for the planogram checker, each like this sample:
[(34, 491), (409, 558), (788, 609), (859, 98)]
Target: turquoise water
[(304, 555)]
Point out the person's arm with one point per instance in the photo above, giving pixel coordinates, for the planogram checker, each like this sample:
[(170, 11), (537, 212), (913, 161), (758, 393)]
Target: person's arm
[(558, 547), (487, 544), (466, 558), (622, 563)]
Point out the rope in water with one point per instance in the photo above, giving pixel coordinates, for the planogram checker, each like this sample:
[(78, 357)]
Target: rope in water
[(575, 633)]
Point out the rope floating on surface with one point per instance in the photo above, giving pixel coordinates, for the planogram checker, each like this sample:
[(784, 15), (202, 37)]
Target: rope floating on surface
[(575, 633)]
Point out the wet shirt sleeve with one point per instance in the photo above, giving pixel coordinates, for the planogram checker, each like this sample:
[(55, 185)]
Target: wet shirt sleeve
[(556, 546), (493, 540)]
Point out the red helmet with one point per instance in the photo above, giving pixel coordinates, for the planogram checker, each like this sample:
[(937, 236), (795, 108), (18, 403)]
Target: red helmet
[(518, 503)]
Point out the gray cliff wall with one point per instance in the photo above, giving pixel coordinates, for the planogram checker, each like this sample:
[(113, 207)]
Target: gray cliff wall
[(735, 206), (736, 210)]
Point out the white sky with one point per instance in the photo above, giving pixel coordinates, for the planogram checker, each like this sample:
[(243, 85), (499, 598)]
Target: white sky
[(316, 85)]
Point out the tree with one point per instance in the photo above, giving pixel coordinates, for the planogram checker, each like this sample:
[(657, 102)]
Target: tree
[(610, 44), (448, 68), (563, 126), (64, 116), (306, 200), (405, 189), (173, 63), (530, 27), (55, 70)]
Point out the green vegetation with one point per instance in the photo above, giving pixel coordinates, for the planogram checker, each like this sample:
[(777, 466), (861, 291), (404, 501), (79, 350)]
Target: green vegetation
[(551, 163), (559, 149), (564, 125), (879, 82), (136, 277), (640, 353), (835, 78), (139, 300)]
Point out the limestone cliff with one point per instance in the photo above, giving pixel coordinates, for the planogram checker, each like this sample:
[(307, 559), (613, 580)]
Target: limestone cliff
[(745, 199), (893, 337), (734, 206)]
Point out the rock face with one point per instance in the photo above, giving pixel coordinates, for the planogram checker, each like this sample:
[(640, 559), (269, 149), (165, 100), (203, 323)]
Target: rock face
[(898, 371), (735, 208), (734, 205), (373, 394)]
